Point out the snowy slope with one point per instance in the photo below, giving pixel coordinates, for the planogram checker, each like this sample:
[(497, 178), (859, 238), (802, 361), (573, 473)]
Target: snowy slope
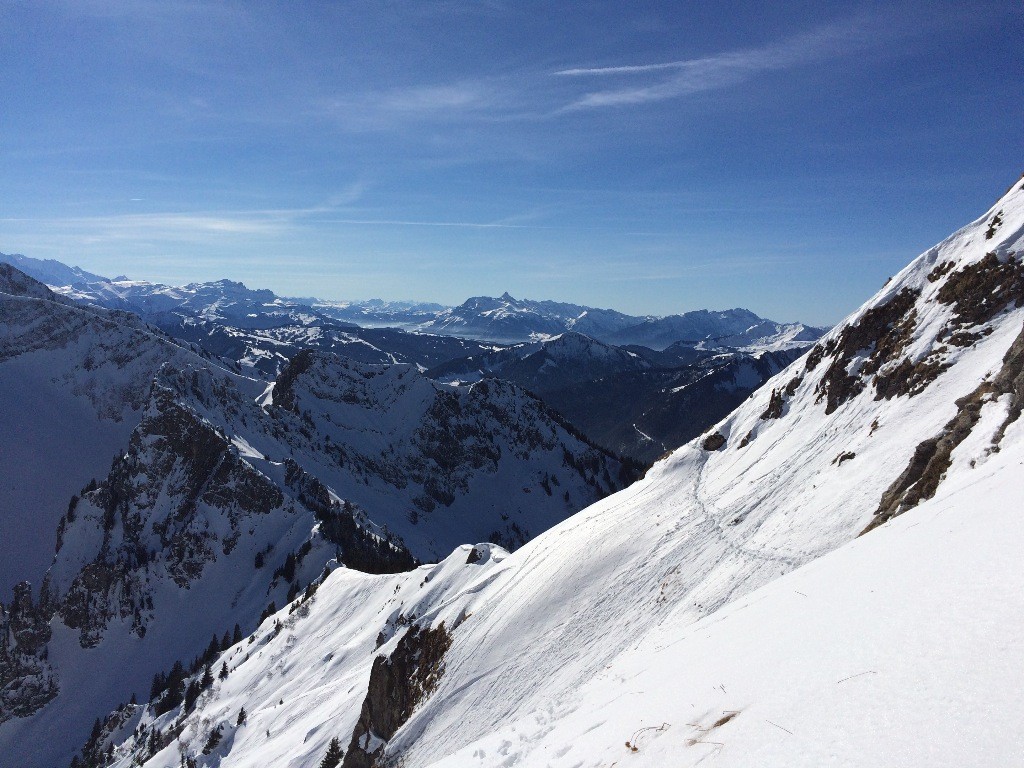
[(901, 648), (74, 382), (934, 601), (663, 604), (218, 481)]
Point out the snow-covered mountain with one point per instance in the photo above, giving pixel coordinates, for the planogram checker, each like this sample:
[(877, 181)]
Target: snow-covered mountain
[(684, 620), (509, 320), (704, 329), (226, 494), (265, 350), (433, 461), (50, 271), (74, 382), (260, 330), (377, 313), (635, 401), (560, 361)]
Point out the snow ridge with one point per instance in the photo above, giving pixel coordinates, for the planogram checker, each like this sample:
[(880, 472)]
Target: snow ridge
[(670, 600)]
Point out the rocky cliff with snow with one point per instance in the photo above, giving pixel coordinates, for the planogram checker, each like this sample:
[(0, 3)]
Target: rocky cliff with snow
[(725, 608), (228, 495), (635, 401)]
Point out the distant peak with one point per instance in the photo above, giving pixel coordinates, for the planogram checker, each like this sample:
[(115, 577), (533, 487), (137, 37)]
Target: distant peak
[(506, 296)]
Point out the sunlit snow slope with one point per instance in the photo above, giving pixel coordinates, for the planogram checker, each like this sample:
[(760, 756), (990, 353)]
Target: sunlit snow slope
[(656, 614)]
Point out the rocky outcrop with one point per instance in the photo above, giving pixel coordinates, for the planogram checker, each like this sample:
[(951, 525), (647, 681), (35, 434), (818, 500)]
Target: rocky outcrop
[(774, 409), (158, 504), (398, 683), (713, 442), (933, 456), (873, 350), (26, 680), (879, 336)]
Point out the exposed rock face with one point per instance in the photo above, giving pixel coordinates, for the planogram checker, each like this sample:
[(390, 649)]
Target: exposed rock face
[(774, 409), (397, 684), (980, 291), (882, 332), (158, 503), (397, 438), (713, 442), (933, 457), (26, 679), (874, 351)]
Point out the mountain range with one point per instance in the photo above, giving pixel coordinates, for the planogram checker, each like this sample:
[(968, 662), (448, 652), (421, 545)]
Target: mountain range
[(650, 399), (504, 320), (214, 474), (508, 320), (633, 400), (827, 575)]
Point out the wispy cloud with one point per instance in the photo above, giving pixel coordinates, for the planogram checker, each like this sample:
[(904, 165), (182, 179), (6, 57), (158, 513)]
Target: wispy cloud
[(415, 223), (414, 105), (629, 69), (435, 98), (689, 76), (210, 227)]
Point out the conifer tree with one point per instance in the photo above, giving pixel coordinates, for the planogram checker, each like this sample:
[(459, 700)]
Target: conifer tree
[(212, 650), (242, 715), (334, 754), (194, 689), (223, 671), (212, 741), (159, 685)]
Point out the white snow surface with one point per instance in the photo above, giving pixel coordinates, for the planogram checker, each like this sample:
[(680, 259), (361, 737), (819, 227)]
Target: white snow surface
[(73, 381), (724, 583), (99, 375)]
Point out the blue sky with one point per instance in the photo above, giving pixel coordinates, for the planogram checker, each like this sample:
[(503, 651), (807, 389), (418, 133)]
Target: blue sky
[(649, 157)]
